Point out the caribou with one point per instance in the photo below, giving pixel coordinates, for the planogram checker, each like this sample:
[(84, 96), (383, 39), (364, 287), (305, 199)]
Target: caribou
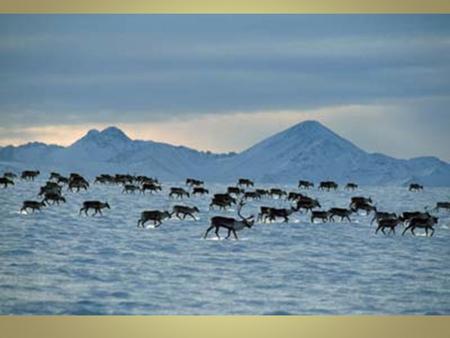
[(200, 191), (6, 181), (185, 211), (30, 174), (33, 205), (153, 215), (351, 186), (341, 212), (305, 184), (415, 187), (328, 185), (246, 182), (390, 223), (231, 224), (420, 222), (96, 205), (178, 192)]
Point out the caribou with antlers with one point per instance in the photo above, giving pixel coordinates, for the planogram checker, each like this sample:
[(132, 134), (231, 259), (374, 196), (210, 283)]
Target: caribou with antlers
[(231, 224)]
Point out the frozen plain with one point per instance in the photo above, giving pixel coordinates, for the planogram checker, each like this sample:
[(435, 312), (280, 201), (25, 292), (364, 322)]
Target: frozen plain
[(57, 262)]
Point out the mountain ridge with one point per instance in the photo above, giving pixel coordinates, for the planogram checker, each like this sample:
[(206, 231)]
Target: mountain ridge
[(306, 150)]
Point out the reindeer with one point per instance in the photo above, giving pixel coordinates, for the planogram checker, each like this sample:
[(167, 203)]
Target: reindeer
[(379, 215), (54, 197), (33, 205), (275, 213), (153, 215), (54, 176), (185, 211), (30, 174), (104, 178), (407, 216), (77, 184), (6, 181), (50, 187), (246, 182), (328, 185), (231, 224), (251, 195), (223, 201), (368, 208), (200, 191), (194, 183), (277, 192), (96, 205), (10, 175), (305, 184), (62, 180), (342, 213), (294, 196), (178, 192), (307, 203), (151, 187), (235, 191), (442, 205), (262, 192), (130, 188), (360, 200), (390, 223), (415, 187), (264, 213), (419, 222), (351, 186), (323, 215)]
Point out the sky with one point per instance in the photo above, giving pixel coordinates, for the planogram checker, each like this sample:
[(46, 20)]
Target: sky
[(225, 82)]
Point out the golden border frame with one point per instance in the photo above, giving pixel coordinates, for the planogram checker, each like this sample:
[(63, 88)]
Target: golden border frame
[(220, 6), (224, 326)]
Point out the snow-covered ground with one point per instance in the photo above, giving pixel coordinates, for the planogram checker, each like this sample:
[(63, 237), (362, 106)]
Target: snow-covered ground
[(57, 262)]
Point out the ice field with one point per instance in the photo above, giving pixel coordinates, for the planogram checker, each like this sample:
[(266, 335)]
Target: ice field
[(57, 262)]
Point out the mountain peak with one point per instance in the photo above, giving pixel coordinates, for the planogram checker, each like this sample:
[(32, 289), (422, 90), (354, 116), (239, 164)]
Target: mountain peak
[(110, 135), (114, 132)]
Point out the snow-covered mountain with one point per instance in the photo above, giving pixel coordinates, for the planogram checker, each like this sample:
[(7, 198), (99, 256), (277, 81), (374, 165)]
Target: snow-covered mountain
[(307, 150)]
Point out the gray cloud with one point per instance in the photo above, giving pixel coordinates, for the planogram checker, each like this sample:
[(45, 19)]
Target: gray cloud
[(142, 69)]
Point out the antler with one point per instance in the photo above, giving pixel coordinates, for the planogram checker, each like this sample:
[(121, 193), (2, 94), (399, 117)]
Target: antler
[(240, 205)]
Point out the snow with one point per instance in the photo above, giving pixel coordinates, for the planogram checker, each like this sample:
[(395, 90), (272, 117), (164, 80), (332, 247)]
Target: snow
[(307, 150), (57, 262)]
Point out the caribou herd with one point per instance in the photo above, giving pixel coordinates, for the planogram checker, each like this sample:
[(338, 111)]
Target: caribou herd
[(239, 195)]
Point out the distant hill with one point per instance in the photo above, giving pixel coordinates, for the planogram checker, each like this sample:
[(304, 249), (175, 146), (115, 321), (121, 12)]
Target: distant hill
[(307, 150)]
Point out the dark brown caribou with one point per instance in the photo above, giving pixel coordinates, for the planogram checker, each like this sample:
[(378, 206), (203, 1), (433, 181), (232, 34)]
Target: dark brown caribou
[(178, 192), (193, 182), (305, 184), (33, 205), (185, 211), (351, 186), (341, 212), (6, 181), (246, 182), (235, 191), (277, 192), (10, 175), (323, 215), (54, 198), (275, 213), (328, 185), (379, 215), (156, 216), (96, 205), (390, 223), (442, 205), (200, 191), (30, 174), (415, 187), (150, 187), (223, 201), (130, 188), (420, 222), (231, 224)]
